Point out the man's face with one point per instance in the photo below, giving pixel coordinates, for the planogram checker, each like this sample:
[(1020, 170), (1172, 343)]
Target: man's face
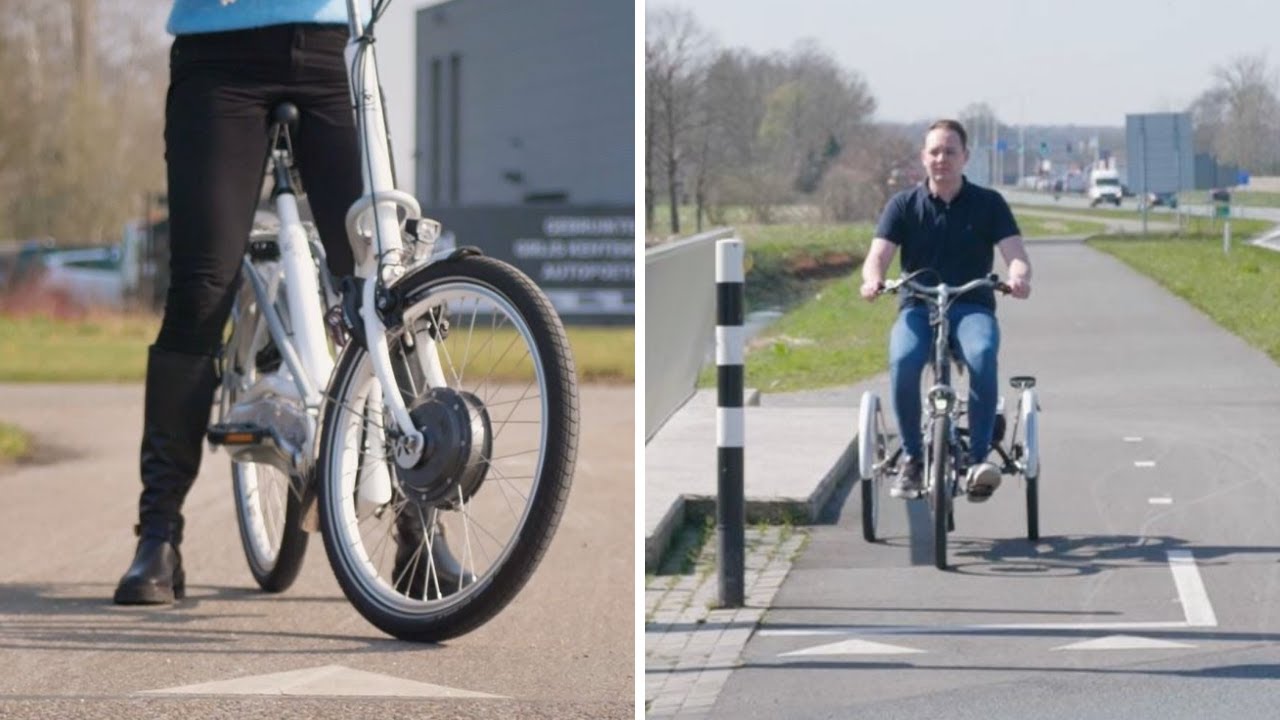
[(943, 156)]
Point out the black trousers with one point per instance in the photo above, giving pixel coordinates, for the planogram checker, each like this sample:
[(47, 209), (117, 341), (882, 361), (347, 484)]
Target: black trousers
[(221, 90)]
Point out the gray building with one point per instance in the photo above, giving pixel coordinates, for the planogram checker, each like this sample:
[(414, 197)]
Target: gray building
[(526, 141)]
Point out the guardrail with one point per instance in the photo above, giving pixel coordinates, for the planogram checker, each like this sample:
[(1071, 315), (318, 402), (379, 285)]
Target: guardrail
[(679, 326)]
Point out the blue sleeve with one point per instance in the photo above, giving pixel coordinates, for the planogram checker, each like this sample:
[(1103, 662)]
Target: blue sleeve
[(890, 225), (1002, 223)]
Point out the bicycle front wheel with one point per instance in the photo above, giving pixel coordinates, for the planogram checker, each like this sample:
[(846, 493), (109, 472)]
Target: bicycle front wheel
[(940, 490), (433, 551)]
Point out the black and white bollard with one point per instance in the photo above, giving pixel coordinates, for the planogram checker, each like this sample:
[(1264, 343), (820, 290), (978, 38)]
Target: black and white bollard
[(731, 509)]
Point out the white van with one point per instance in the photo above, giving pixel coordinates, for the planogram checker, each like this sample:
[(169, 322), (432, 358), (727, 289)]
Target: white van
[(1104, 186)]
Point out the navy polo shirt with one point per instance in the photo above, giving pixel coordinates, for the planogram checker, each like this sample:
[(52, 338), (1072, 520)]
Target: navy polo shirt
[(956, 239)]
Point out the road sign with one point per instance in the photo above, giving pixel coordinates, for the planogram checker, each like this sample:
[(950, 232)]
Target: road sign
[(1044, 149), (1002, 145), (1242, 178)]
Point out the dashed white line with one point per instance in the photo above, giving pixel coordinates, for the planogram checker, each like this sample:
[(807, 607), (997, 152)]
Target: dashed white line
[(1195, 600), (1144, 463), (1160, 501)]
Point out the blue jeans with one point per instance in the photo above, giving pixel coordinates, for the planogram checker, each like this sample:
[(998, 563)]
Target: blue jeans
[(975, 330)]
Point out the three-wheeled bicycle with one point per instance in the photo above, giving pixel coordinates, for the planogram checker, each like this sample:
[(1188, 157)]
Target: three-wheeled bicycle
[(946, 441)]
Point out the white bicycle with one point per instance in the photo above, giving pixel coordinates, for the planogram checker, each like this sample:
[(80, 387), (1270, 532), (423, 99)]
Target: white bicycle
[(422, 415)]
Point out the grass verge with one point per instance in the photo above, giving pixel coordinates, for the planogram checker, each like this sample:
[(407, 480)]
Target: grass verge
[(14, 443), (1240, 290), (681, 555), (114, 349), (1033, 226)]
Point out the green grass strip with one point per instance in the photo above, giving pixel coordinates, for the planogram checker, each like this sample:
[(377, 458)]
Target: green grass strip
[(114, 349), (1239, 290)]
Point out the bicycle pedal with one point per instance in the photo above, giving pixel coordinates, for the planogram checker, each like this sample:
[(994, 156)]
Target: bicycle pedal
[(237, 434)]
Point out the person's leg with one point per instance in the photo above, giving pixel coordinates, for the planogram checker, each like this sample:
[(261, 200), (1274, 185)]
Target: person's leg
[(909, 345), (327, 145), (978, 335), (215, 144)]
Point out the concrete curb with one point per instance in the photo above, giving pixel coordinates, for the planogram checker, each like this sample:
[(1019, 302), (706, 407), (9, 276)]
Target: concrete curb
[(767, 510)]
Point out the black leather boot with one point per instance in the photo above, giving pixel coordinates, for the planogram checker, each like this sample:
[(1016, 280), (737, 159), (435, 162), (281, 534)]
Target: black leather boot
[(179, 396), (155, 577)]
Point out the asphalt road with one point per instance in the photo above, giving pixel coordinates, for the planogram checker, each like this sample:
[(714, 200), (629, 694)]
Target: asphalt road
[(564, 649), (1155, 589), (1078, 201)]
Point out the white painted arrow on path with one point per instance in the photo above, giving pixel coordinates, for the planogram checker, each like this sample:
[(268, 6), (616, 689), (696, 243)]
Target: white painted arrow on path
[(854, 647), (1123, 642)]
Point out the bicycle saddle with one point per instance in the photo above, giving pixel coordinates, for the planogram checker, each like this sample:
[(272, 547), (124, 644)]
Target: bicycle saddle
[(284, 113)]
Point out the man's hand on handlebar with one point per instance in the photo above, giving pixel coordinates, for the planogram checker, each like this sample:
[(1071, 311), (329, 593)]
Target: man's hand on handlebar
[(1019, 286), (870, 289)]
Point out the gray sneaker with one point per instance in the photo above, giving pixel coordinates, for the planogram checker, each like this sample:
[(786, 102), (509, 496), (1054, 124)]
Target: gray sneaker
[(983, 478), (910, 480)]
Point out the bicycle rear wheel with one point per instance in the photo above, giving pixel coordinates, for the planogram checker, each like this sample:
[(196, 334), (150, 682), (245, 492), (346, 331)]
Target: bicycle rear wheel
[(872, 450), (940, 490), (452, 540), (1030, 424), (268, 508)]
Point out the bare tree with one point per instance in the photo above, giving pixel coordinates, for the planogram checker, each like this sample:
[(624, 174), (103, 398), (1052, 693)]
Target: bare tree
[(1245, 94), (80, 141), (1209, 116), (676, 50), (876, 164)]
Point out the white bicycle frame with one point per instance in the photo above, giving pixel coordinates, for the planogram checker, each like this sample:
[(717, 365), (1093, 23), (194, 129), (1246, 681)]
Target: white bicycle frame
[(381, 204), (374, 227)]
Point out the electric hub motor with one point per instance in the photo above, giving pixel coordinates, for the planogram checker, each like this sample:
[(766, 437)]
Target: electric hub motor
[(459, 444)]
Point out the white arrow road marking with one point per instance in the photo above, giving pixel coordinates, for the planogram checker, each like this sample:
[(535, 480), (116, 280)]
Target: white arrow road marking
[(1133, 439), (326, 680), (1144, 463), (1160, 501), (1123, 642), (1196, 608), (854, 647)]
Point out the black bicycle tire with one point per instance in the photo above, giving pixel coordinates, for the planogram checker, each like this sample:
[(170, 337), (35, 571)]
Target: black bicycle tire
[(871, 486), (293, 539), (551, 491), (869, 500), (940, 453), (293, 543), (1033, 508)]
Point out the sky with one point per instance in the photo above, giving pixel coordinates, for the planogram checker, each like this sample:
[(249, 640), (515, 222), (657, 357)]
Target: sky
[(1036, 62)]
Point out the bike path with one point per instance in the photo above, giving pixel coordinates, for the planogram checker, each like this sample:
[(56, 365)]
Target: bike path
[(1154, 591), (563, 648)]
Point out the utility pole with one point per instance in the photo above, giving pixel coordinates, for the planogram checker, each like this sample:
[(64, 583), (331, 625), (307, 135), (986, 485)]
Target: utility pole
[(1022, 150), (997, 175)]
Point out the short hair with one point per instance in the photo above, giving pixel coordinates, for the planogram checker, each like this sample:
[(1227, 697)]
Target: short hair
[(955, 127)]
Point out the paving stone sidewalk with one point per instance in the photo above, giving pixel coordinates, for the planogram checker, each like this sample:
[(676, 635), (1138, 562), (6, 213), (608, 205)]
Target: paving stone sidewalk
[(690, 647)]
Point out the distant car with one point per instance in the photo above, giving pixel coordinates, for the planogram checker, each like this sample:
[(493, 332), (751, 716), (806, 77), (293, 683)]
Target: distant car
[(1162, 199)]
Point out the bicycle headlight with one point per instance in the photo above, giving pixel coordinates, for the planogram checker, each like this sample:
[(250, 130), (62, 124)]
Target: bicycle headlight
[(942, 399)]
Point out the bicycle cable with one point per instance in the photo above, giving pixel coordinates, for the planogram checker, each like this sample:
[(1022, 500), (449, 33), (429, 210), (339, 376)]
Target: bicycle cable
[(366, 40)]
